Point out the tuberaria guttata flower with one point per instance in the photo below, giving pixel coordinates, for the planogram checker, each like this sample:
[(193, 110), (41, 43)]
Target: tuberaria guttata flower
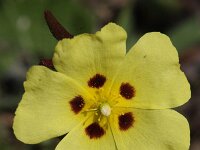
[(104, 98)]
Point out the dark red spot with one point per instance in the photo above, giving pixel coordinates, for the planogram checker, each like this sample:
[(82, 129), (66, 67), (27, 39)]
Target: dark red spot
[(127, 91), (125, 121), (77, 104), (97, 81), (94, 131)]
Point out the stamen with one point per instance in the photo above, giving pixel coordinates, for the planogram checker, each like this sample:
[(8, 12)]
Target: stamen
[(113, 99), (90, 110), (99, 119)]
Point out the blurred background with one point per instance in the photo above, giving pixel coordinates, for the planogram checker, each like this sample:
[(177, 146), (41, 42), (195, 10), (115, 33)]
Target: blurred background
[(25, 39)]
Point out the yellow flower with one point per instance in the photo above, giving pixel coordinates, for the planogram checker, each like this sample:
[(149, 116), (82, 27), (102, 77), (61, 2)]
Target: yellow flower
[(107, 99)]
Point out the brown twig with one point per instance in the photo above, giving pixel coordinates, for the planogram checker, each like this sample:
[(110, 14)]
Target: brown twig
[(58, 31), (47, 63)]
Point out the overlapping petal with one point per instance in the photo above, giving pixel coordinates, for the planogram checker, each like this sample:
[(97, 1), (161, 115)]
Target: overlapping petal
[(88, 54), (44, 111), (152, 130), (152, 68)]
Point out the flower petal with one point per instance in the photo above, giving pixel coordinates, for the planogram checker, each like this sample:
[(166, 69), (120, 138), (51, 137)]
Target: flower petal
[(152, 129), (78, 139), (45, 110), (87, 55), (152, 69)]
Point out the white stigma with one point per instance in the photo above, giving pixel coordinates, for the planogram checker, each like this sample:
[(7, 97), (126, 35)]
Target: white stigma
[(105, 109)]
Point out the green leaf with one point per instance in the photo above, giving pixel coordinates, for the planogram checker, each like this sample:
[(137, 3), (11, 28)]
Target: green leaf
[(186, 34)]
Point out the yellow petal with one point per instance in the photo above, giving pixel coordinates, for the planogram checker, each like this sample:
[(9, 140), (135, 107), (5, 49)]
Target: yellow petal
[(86, 55), (152, 130), (45, 110), (152, 68), (77, 139)]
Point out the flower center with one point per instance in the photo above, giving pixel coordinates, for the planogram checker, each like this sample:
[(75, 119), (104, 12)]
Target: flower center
[(105, 109)]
